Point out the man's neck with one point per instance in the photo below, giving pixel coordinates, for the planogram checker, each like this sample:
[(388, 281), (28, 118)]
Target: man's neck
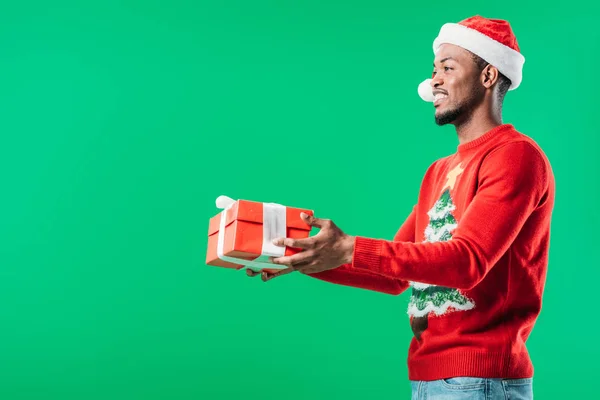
[(476, 126)]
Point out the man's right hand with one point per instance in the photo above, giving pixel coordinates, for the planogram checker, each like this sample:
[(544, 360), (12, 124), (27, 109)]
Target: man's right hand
[(268, 274)]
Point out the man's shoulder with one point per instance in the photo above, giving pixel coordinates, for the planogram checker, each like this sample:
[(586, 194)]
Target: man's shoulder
[(516, 154), (443, 161), (436, 166), (515, 143)]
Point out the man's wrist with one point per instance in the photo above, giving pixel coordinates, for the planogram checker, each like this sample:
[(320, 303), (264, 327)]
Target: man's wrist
[(349, 249)]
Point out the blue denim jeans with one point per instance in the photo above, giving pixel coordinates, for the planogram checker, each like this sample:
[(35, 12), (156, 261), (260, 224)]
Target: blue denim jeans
[(471, 388)]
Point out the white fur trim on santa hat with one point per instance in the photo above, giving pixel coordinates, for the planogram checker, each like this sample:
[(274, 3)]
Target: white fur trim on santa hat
[(426, 91), (508, 61)]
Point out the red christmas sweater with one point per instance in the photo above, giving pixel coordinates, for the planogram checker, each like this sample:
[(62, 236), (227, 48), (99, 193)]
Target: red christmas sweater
[(474, 254)]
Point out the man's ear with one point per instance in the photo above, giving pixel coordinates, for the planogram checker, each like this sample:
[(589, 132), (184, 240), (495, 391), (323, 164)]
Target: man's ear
[(489, 76)]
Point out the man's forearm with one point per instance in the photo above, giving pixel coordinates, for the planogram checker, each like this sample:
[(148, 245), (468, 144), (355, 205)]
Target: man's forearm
[(346, 275)]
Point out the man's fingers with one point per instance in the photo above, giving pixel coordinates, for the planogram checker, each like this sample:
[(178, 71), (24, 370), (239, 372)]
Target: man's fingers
[(267, 276), (297, 243), (297, 259), (251, 272), (312, 221)]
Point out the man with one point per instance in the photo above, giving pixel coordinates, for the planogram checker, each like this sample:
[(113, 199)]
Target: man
[(474, 249)]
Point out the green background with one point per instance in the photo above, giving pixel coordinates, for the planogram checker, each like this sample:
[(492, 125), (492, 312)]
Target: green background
[(121, 122)]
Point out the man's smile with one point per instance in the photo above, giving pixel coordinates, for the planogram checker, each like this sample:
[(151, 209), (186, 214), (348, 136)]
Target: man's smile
[(439, 97)]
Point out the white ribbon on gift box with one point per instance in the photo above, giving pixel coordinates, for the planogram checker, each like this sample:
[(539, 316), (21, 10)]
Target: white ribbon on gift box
[(274, 226)]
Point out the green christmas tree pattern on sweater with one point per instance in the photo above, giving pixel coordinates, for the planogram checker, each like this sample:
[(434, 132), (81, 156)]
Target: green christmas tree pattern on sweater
[(427, 298)]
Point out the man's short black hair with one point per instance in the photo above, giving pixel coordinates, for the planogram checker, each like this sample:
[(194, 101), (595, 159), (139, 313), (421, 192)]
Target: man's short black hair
[(503, 81)]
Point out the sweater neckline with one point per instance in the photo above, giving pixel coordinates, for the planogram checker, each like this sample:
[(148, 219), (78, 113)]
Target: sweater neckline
[(461, 148)]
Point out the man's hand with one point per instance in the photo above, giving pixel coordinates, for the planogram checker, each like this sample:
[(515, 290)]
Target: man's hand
[(267, 274), (329, 249)]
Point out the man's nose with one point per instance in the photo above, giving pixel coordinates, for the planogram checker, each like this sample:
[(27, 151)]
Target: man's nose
[(436, 80)]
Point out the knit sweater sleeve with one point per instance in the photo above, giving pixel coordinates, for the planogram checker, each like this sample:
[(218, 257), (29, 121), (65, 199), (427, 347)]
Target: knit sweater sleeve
[(513, 179), (347, 275)]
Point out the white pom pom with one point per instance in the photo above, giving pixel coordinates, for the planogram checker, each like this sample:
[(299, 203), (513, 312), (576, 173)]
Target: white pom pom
[(425, 90), (223, 202)]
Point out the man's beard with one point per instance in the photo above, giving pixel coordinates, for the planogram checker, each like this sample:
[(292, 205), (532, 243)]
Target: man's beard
[(459, 112), (449, 116)]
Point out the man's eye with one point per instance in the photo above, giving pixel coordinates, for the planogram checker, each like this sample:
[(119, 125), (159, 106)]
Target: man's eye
[(445, 69)]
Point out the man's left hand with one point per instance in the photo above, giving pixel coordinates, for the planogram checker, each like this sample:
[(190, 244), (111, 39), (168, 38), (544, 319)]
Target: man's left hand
[(327, 250)]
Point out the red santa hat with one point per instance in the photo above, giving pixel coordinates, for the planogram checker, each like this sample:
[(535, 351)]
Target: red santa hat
[(491, 39)]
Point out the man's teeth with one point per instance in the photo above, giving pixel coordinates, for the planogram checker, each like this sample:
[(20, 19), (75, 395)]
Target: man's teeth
[(439, 96)]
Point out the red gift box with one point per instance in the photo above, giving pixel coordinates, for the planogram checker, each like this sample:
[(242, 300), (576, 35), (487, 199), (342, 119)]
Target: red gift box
[(245, 232)]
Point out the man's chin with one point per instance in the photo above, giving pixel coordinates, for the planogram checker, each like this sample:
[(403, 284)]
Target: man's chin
[(446, 117), (441, 122)]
